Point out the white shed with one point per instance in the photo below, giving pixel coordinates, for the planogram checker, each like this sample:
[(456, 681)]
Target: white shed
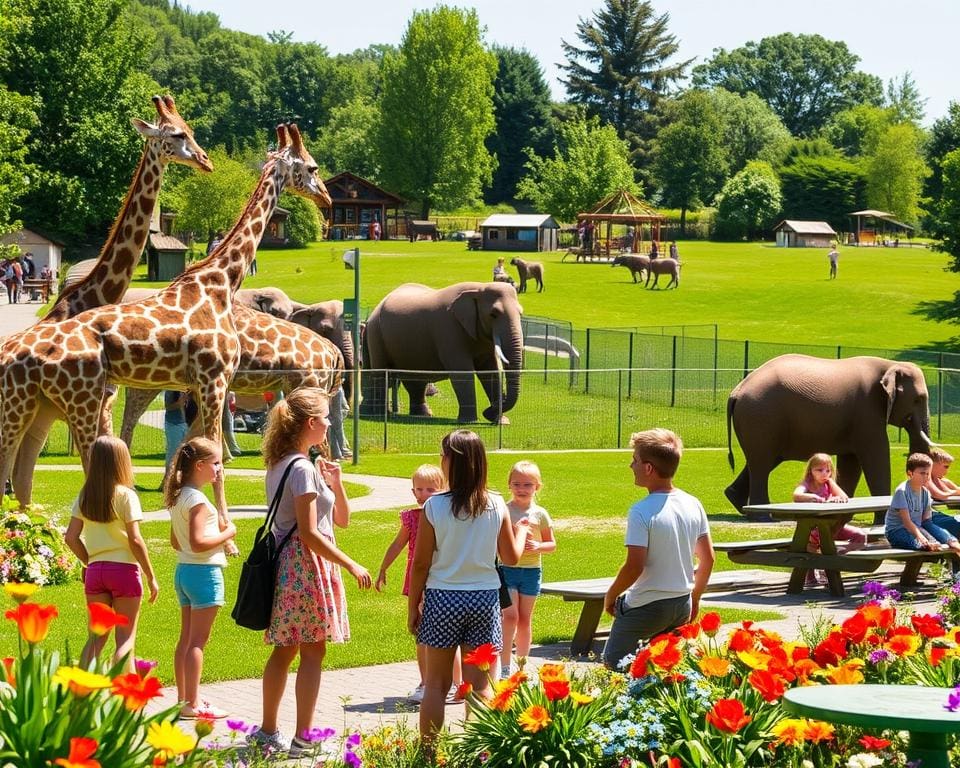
[(804, 234), (46, 252)]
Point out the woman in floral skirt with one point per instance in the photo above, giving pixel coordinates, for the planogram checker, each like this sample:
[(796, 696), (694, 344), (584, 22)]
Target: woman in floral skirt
[(309, 607)]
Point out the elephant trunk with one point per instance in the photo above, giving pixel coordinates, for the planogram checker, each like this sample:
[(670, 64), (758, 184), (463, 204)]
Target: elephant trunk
[(513, 365), (346, 347), (918, 431)]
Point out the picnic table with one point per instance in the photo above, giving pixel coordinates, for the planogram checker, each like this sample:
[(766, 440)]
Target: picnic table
[(792, 553), (913, 708)]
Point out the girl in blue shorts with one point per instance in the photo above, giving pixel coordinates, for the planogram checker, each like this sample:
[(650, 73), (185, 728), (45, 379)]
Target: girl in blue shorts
[(198, 531), (461, 531), (104, 532)]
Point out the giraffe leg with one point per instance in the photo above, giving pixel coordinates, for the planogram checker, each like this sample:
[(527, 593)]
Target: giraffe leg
[(19, 410), (29, 451), (211, 400), (135, 405)]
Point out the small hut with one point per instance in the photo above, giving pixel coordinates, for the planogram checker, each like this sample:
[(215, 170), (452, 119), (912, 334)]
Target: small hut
[(877, 228), (804, 234), (46, 252), (357, 203), (166, 257), (617, 223), (519, 232)]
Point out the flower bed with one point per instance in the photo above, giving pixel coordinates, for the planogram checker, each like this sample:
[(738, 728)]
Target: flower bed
[(32, 549)]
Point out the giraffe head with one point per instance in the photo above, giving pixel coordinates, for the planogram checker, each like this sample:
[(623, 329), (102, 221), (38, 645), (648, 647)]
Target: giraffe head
[(298, 167), (174, 136)]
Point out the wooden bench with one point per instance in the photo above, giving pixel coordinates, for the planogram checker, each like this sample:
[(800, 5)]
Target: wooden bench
[(34, 286), (913, 560), (592, 591)]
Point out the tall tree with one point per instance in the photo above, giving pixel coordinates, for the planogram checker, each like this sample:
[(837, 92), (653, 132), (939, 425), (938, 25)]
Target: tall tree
[(855, 131), (622, 69), (78, 60), (437, 110), (944, 138), (804, 78), (589, 162), (895, 172), (904, 100), (521, 105), (945, 218), (749, 201), (348, 142), (17, 119), (751, 130), (688, 157), (822, 188)]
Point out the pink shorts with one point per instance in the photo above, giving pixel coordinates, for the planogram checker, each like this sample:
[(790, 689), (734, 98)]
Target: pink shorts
[(114, 579)]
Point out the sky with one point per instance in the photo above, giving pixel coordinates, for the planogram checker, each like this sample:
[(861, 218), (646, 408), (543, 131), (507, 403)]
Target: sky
[(891, 37)]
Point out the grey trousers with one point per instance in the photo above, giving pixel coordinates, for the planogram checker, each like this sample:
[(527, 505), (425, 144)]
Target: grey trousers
[(631, 625)]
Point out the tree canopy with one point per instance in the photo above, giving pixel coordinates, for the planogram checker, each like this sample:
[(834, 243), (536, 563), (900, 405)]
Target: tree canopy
[(622, 68), (895, 172), (437, 110), (804, 78), (749, 201), (822, 188)]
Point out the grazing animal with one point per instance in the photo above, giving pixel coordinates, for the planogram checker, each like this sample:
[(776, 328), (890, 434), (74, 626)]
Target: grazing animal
[(636, 264), (528, 269), (664, 267)]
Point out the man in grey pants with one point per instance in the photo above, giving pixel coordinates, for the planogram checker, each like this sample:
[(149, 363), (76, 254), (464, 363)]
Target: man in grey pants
[(658, 588)]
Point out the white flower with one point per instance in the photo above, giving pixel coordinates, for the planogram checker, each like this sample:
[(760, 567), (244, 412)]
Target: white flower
[(864, 760)]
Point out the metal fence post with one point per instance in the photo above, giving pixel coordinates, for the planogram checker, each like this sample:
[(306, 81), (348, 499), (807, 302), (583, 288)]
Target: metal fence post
[(546, 346), (716, 360), (673, 374), (630, 369), (746, 357), (386, 406), (838, 351), (619, 406), (586, 373), (940, 396)]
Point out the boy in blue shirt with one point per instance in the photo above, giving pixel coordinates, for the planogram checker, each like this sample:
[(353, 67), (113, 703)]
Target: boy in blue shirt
[(909, 521)]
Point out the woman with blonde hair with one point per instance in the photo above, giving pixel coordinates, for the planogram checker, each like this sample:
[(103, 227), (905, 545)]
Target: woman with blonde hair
[(309, 605), (104, 533)]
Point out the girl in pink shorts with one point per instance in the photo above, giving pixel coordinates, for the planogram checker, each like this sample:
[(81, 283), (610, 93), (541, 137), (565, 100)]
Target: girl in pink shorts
[(104, 532)]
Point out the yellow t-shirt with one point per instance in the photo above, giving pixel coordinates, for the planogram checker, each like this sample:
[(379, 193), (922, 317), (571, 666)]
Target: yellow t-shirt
[(539, 523), (108, 542)]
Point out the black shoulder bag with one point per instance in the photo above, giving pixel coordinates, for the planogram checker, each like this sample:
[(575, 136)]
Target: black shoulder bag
[(258, 576)]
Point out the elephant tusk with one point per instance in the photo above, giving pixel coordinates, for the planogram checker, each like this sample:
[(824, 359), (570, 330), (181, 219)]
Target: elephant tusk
[(499, 352), (930, 443)]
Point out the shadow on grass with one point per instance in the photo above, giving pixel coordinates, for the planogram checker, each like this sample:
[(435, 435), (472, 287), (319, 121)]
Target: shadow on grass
[(941, 311)]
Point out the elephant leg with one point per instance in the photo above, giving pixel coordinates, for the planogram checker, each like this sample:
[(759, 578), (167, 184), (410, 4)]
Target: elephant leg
[(466, 394), (492, 385), (848, 473), (876, 471), (738, 492), (417, 392), (373, 385)]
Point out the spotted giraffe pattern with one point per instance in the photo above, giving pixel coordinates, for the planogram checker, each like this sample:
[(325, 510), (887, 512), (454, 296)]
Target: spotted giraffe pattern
[(169, 140), (183, 338)]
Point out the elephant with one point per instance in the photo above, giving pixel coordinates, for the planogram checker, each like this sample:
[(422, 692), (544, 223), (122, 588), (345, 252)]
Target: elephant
[(450, 333), (663, 267), (326, 319), (273, 301), (794, 406), (526, 270), (636, 264)]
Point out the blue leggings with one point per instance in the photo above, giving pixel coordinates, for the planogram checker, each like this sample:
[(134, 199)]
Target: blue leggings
[(901, 538)]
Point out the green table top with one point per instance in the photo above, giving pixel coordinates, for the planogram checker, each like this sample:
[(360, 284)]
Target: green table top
[(905, 707)]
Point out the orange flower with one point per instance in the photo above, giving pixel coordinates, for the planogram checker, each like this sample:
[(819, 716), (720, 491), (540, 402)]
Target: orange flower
[(903, 644), (482, 657), (804, 668), (33, 620), (766, 684), (728, 715), (790, 731), (552, 672), (8, 662), (710, 623), (464, 690), (666, 653), (135, 690), (847, 673), (741, 640), (877, 615), (640, 664), (103, 618), (503, 696), (555, 690), (832, 650), (929, 626), (534, 718), (936, 654), (689, 631), (81, 754), (855, 628), (714, 666), (518, 678), (818, 731)]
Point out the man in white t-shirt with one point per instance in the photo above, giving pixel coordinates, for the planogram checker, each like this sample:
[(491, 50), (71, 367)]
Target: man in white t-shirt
[(658, 588), (834, 257)]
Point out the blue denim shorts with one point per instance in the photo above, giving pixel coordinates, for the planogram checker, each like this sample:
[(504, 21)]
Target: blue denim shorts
[(198, 585), (525, 581)]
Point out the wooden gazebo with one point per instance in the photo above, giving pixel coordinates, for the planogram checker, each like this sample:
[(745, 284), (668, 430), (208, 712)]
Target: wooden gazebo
[(622, 208)]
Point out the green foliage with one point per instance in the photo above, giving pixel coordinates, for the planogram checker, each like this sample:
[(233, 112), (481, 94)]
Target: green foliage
[(303, 225), (856, 131), (946, 211), (749, 202), (944, 138), (751, 130), (78, 60), (904, 100), (589, 163), (348, 142), (822, 189), (620, 72), (895, 172), (689, 161), (206, 202), (804, 78), (17, 119), (521, 103), (437, 110)]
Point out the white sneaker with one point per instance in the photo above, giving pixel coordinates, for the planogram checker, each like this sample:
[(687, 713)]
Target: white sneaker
[(205, 709), (416, 695), (452, 697), (268, 742)]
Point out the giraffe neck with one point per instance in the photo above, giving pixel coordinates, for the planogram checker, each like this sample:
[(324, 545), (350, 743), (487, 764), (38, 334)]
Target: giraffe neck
[(111, 275), (235, 254)]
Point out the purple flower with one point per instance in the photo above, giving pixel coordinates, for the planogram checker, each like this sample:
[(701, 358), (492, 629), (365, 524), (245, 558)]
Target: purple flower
[(953, 700), (145, 666), (238, 726), (317, 734), (351, 759), (353, 740), (874, 589), (878, 657)]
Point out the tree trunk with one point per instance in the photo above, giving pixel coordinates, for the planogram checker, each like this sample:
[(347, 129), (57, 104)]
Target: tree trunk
[(683, 221)]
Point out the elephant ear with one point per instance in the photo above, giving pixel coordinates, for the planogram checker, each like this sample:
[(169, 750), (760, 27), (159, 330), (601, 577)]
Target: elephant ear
[(464, 308), (890, 383)]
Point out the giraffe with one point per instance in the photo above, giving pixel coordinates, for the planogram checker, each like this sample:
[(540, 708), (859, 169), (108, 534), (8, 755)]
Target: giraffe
[(169, 140), (184, 337), (275, 354)]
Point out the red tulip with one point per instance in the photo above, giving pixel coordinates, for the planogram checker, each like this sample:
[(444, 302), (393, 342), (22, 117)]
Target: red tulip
[(710, 623), (483, 657), (103, 618), (728, 715), (33, 620)]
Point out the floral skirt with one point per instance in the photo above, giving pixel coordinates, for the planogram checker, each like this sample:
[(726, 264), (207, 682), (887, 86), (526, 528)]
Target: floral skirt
[(309, 604)]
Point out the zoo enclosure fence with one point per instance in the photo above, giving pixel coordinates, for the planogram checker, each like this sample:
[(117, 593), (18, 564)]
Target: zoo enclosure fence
[(559, 408)]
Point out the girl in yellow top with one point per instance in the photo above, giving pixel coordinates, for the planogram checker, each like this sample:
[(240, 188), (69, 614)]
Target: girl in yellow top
[(104, 532)]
